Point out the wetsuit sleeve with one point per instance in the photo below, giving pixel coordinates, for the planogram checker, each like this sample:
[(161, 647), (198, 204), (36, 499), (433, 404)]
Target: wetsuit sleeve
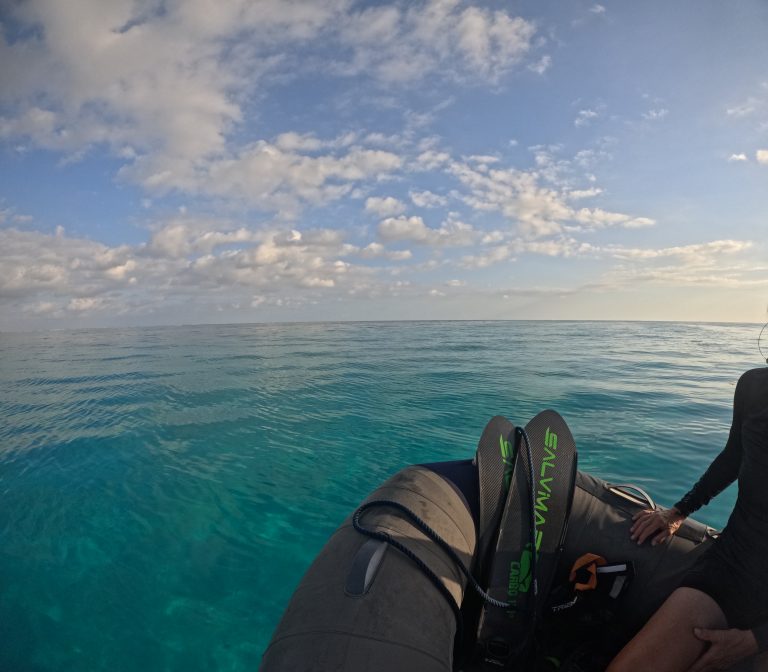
[(725, 468), (761, 635)]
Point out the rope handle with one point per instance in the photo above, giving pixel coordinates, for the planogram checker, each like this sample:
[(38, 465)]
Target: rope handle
[(626, 491)]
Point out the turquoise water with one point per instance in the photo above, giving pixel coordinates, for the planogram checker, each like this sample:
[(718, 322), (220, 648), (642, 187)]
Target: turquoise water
[(163, 490)]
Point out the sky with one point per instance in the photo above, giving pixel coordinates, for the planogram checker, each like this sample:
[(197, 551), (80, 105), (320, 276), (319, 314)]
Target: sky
[(198, 161)]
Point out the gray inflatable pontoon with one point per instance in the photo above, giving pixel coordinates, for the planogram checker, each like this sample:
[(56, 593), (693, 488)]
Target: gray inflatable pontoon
[(366, 605)]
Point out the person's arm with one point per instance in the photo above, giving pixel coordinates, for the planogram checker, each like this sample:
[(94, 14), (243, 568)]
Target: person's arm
[(724, 469), (660, 524)]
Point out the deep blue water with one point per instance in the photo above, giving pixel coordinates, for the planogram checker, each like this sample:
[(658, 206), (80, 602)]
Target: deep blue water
[(162, 490)]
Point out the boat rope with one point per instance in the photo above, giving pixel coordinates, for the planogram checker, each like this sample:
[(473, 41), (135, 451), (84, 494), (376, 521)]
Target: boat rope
[(434, 536), (426, 529), (420, 524), (532, 490)]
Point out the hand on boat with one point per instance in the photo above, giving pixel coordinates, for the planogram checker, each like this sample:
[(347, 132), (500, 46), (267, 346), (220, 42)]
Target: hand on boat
[(727, 647), (659, 523)]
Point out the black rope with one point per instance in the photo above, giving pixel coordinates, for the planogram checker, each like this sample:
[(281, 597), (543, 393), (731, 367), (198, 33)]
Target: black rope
[(521, 433), (434, 536), (386, 537), (381, 535)]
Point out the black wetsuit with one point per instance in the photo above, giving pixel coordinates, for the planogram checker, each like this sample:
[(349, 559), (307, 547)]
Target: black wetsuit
[(733, 571)]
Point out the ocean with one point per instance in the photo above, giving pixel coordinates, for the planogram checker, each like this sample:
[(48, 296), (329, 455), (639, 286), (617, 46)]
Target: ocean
[(162, 490)]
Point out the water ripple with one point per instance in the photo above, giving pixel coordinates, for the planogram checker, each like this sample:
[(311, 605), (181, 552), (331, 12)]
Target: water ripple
[(164, 489)]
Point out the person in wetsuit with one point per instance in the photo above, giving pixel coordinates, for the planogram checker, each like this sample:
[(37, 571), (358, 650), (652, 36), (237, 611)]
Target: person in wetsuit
[(719, 614)]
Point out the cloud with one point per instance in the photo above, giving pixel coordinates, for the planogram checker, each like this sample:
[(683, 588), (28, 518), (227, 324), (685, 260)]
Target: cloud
[(220, 264), (384, 207), (597, 218), (714, 264), (542, 65), (431, 159), (410, 229), (427, 199), (597, 9), (405, 44), (452, 232), (86, 304), (491, 257), (585, 117), (516, 194), (577, 194), (183, 237), (695, 253), (35, 263), (745, 109), (185, 260), (165, 87), (9, 215), (536, 201), (153, 82), (655, 115), (761, 156), (588, 158), (377, 251), (270, 178), (309, 142), (483, 159), (738, 157)]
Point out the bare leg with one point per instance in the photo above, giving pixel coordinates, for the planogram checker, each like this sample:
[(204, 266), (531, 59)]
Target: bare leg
[(667, 643)]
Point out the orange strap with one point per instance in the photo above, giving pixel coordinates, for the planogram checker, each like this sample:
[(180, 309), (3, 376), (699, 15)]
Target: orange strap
[(590, 562)]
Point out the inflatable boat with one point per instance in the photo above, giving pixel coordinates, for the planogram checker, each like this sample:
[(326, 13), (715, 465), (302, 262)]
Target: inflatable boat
[(512, 560)]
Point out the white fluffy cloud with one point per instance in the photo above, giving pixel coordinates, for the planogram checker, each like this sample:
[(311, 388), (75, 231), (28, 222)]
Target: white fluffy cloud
[(427, 199), (696, 253), (452, 232), (714, 264), (35, 264), (761, 156), (184, 237), (656, 114), (585, 117), (165, 85), (56, 273), (270, 178), (700, 260), (378, 251), (384, 207), (127, 74), (537, 201), (402, 44), (542, 65), (597, 218)]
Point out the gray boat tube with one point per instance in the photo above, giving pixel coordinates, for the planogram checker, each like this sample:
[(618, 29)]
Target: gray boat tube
[(364, 605), (601, 516)]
